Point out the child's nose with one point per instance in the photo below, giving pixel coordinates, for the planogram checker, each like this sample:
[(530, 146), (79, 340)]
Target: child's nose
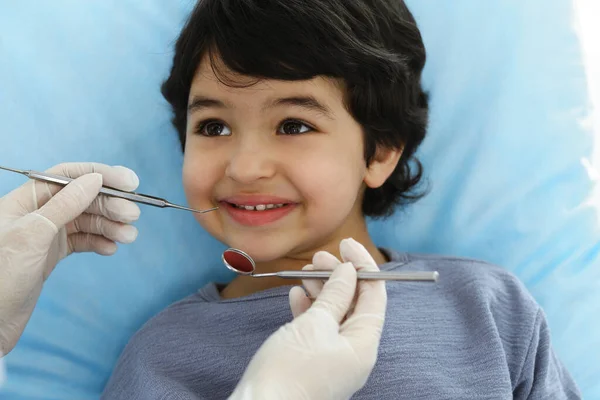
[(250, 162)]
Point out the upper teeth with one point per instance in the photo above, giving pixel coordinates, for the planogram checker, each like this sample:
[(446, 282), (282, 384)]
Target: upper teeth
[(259, 207)]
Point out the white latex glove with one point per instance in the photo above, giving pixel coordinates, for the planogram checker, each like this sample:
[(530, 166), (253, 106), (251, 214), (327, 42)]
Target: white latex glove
[(326, 352), (40, 224)]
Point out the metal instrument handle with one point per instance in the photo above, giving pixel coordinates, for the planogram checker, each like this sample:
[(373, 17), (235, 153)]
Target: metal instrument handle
[(419, 276), (107, 190)]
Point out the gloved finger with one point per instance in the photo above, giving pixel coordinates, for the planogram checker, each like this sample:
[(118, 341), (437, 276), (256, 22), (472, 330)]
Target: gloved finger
[(371, 296), (87, 242), (299, 302), (364, 326), (363, 332), (117, 177), (71, 201), (116, 209), (322, 260), (98, 225), (354, 252), (313, 286), (325, 260), (338, 292)]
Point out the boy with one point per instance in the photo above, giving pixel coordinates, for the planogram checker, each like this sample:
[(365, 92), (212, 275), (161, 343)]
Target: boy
[(299, 119)]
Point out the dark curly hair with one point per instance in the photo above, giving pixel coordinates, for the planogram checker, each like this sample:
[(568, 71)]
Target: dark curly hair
[(374, 46)]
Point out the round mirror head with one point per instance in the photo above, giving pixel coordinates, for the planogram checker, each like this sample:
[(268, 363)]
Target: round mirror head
[(238, 261)]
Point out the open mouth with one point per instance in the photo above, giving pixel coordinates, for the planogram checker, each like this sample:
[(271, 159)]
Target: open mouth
[(259, 207), (258, 214)]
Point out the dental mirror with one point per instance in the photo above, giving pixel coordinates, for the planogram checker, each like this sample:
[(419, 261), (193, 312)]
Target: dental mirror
[(242, 264)]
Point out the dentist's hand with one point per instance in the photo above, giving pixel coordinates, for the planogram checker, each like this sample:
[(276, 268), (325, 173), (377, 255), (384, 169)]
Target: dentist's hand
[(40, 224), (329, 350)]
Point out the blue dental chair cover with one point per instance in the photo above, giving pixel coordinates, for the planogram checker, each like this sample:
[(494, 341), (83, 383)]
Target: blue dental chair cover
[(507, 156)]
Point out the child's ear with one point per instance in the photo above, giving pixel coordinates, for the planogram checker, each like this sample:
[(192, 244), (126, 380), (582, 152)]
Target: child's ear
[(382, 166)]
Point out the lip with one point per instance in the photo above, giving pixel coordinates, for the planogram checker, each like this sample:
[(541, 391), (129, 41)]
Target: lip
[(257, 218)]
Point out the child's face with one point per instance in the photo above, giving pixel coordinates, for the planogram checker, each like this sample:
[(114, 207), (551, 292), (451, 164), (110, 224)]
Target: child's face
[(272, 139)]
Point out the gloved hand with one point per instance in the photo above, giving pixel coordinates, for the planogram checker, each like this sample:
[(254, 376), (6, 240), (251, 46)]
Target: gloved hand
[(41, 223), (326, 352)]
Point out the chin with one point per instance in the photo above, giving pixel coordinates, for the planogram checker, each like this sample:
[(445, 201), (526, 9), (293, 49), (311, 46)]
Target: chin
[(261, 249), (263, 253)]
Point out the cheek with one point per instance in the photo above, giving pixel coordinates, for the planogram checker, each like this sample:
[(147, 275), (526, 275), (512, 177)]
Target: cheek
[(199, 177), (332, 184)]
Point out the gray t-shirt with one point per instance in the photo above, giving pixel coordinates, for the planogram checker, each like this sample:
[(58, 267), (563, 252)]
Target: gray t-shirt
[(476, 334)]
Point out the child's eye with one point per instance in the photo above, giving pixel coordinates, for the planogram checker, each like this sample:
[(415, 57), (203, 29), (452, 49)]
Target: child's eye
[(293, 127), (213, 128)]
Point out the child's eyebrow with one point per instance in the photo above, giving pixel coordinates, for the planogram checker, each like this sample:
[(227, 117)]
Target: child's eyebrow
[(201, 102), (308, 102)]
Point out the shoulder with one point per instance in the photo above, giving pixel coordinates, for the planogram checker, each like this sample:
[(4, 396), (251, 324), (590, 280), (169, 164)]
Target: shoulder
[(180, 311), (478, 321), (480, 281), (478, 307), (172, 321), (471, 292)]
